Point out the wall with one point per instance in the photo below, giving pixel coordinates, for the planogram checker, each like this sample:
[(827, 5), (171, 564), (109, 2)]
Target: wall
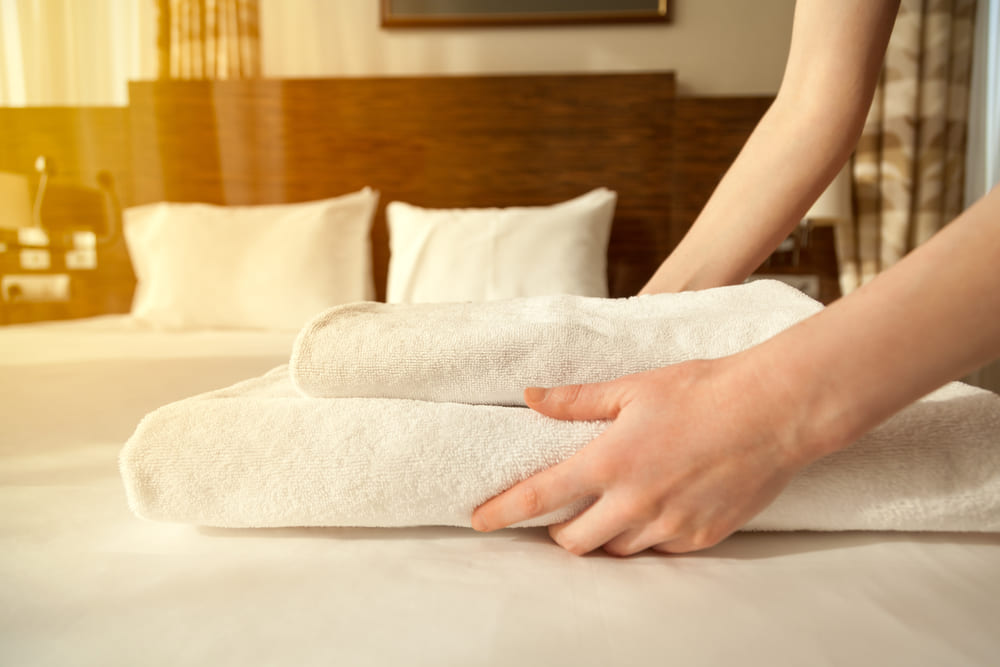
[(716, 47), (67, 52)]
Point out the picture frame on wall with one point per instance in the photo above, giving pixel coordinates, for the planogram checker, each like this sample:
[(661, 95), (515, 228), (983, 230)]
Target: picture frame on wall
[(445, 13)]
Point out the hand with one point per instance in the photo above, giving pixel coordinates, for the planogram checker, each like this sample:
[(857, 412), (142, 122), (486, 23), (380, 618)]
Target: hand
[(694, 452)]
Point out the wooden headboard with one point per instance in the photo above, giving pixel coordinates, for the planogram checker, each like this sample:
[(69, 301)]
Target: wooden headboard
[(451, 141), (430, 141)]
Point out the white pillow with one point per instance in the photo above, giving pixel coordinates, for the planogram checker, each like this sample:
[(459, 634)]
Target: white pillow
[(499, 253), (249, 267)]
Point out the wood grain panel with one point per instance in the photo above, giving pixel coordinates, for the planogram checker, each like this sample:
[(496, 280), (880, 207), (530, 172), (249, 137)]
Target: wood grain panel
[(708, 134), (435, 142), (432, 141)]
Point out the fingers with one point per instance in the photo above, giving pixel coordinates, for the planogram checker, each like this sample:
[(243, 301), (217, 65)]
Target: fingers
[(562, 484), (632, 542), (602, 400), (672, 547), (598, 525), (705, 538), (540, 494), (635, 541)]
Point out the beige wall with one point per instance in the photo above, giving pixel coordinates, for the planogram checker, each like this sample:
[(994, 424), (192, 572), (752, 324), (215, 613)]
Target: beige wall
[(717, 47)]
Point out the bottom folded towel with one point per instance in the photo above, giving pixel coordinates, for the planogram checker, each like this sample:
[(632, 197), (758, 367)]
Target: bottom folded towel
[(258, 454)]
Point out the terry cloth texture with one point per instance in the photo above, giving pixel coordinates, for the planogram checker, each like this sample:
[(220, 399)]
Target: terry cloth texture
[(259, 454), (488, 353)]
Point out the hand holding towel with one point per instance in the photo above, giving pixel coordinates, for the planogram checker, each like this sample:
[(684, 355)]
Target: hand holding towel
[(259, 454)]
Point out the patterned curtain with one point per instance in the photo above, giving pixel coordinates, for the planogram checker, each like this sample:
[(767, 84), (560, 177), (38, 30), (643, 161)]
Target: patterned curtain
[(208, 39), (909, 165)]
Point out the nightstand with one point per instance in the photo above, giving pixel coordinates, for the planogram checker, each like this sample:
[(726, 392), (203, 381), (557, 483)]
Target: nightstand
[(807, 260), (62, 254), (53, 277), (33, 298)]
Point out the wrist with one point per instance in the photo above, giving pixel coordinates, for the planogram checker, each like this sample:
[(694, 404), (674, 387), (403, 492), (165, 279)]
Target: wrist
[(806, 419), (680, 274)]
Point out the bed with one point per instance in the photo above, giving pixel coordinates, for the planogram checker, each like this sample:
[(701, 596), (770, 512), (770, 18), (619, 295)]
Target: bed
[(86, 582)]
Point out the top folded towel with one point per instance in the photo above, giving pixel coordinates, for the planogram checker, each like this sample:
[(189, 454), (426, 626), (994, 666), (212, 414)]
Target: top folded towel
[(487, 353)]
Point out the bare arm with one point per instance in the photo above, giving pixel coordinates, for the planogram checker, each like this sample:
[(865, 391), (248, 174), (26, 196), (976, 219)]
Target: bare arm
[(932, 318), (797, 148), (697, 449)]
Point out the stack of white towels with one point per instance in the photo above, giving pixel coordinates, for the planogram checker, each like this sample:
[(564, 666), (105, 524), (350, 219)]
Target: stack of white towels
[(405, 415)]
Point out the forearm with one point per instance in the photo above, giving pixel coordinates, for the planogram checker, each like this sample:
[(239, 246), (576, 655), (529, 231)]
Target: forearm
[(932, 318), (795, 151), (782, 169)]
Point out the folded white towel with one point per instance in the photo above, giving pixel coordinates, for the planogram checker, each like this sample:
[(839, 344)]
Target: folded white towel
[(258, 454), (487, 353)]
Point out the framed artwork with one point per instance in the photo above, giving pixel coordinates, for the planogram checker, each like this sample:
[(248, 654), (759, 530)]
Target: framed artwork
[(441, 13)]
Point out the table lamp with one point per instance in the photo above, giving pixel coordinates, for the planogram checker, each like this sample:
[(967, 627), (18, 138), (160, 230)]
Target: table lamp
[(835, 202)]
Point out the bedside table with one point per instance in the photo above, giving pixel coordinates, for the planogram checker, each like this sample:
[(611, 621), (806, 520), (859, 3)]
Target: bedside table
[(809, 265), (33, 297), (57, 279)]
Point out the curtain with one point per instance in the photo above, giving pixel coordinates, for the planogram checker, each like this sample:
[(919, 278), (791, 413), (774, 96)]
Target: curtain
[(74, 53), (909, 164), (208, 39)]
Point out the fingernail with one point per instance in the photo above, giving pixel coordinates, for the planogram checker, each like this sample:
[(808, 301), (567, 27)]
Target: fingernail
[(535, 394)]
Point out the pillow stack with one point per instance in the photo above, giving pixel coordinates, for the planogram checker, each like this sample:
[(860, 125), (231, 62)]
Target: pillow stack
[(202, 266)]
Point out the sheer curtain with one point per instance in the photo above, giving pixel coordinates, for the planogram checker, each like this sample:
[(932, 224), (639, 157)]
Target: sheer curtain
[(74, 52)]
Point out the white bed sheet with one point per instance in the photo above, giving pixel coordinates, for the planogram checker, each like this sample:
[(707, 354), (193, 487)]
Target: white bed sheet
[(86, 583)]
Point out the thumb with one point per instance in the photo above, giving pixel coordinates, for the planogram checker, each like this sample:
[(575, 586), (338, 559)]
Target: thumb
[(579, 402)]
